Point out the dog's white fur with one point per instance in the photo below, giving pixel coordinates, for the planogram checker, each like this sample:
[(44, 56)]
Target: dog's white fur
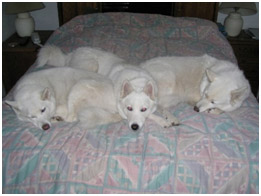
[(43, 95), (209, 84), (56, 94), (134, 89), (108, 105), (90, 59), (137, 96)]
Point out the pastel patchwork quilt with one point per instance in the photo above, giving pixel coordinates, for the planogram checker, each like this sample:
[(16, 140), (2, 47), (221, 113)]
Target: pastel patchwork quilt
[(205, 154)]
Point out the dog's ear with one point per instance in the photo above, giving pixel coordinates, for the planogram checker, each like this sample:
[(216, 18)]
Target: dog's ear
[(13, 105), (236, 94), (46, 94), (211, 75), (126, 89), (149, 90)]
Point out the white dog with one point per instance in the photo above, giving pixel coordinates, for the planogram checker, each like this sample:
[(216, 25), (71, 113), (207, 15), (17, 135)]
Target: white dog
[(137, 96), (43, 95), (209, 84), (134, 89), (98, 103)]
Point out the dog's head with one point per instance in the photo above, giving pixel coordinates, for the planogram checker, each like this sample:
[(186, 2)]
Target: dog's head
[(136, 106), (37, 108), (221, 92)]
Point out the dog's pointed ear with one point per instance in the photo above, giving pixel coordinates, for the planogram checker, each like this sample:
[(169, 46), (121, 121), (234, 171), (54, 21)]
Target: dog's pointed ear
[(126, 89), (46, 94), (13, 105), (149, 90), (211, 75), (236, 94)]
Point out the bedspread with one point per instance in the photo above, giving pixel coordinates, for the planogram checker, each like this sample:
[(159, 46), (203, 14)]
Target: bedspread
[(206, 154)]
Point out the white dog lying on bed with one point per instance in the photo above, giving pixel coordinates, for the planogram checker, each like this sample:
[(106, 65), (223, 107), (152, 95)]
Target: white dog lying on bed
[(209, 84), (43, 95)]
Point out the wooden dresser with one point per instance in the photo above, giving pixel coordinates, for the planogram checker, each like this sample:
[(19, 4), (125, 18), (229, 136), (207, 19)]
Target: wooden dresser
[(18, 58), (246, 50)]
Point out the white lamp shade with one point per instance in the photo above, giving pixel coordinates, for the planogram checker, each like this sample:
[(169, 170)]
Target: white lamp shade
[(21, 7), (244, 8), (24, 24)]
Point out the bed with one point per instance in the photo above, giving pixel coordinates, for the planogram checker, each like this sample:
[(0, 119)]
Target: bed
[(205, 154)]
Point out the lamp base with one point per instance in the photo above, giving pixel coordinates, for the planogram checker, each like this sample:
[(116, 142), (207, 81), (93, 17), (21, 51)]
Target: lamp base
[(24, 24), (233, 24)]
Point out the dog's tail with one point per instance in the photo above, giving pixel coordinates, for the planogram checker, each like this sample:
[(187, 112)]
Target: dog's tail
[(51, 55)]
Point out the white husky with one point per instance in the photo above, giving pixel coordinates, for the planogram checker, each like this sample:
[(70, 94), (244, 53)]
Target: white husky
[(105, 105), (137, 96), (43, 95), (209, 84), (134, 89)]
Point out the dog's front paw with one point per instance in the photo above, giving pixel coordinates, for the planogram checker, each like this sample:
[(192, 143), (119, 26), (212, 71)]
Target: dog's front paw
[(171, 121), (57, 118), (214, 111)]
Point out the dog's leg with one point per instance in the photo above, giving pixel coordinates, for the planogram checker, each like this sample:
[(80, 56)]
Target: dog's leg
[(160, 120), (76, 99), (60, 114), (168, 120), (214, 111), (56, 119), (168, 116), (73, 105)]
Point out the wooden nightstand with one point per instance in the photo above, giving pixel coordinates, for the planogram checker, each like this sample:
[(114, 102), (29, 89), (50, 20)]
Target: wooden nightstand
[(246, 50), (17, 60)]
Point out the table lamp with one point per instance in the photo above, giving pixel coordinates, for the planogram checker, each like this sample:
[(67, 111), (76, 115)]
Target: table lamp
[(234, 22), (24, 23)]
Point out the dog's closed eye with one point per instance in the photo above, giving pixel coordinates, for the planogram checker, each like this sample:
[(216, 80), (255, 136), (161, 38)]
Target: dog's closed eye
[(43, 110)]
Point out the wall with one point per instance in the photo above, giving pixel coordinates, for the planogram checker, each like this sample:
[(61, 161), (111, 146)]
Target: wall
[(45, 19), (249, 21), (8, 27)]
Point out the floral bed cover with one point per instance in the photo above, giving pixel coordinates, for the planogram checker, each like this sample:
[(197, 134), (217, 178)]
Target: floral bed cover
[(205, 154)]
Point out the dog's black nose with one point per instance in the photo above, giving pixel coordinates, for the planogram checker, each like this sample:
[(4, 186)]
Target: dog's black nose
[(196, 108), (46, 127), (135, 127)]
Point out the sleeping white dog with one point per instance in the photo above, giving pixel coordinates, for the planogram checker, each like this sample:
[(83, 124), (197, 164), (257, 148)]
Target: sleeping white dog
[(209, 84), (42, 96)]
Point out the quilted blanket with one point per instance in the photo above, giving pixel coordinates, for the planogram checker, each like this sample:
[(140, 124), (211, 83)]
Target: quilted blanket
[(206, 154)]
